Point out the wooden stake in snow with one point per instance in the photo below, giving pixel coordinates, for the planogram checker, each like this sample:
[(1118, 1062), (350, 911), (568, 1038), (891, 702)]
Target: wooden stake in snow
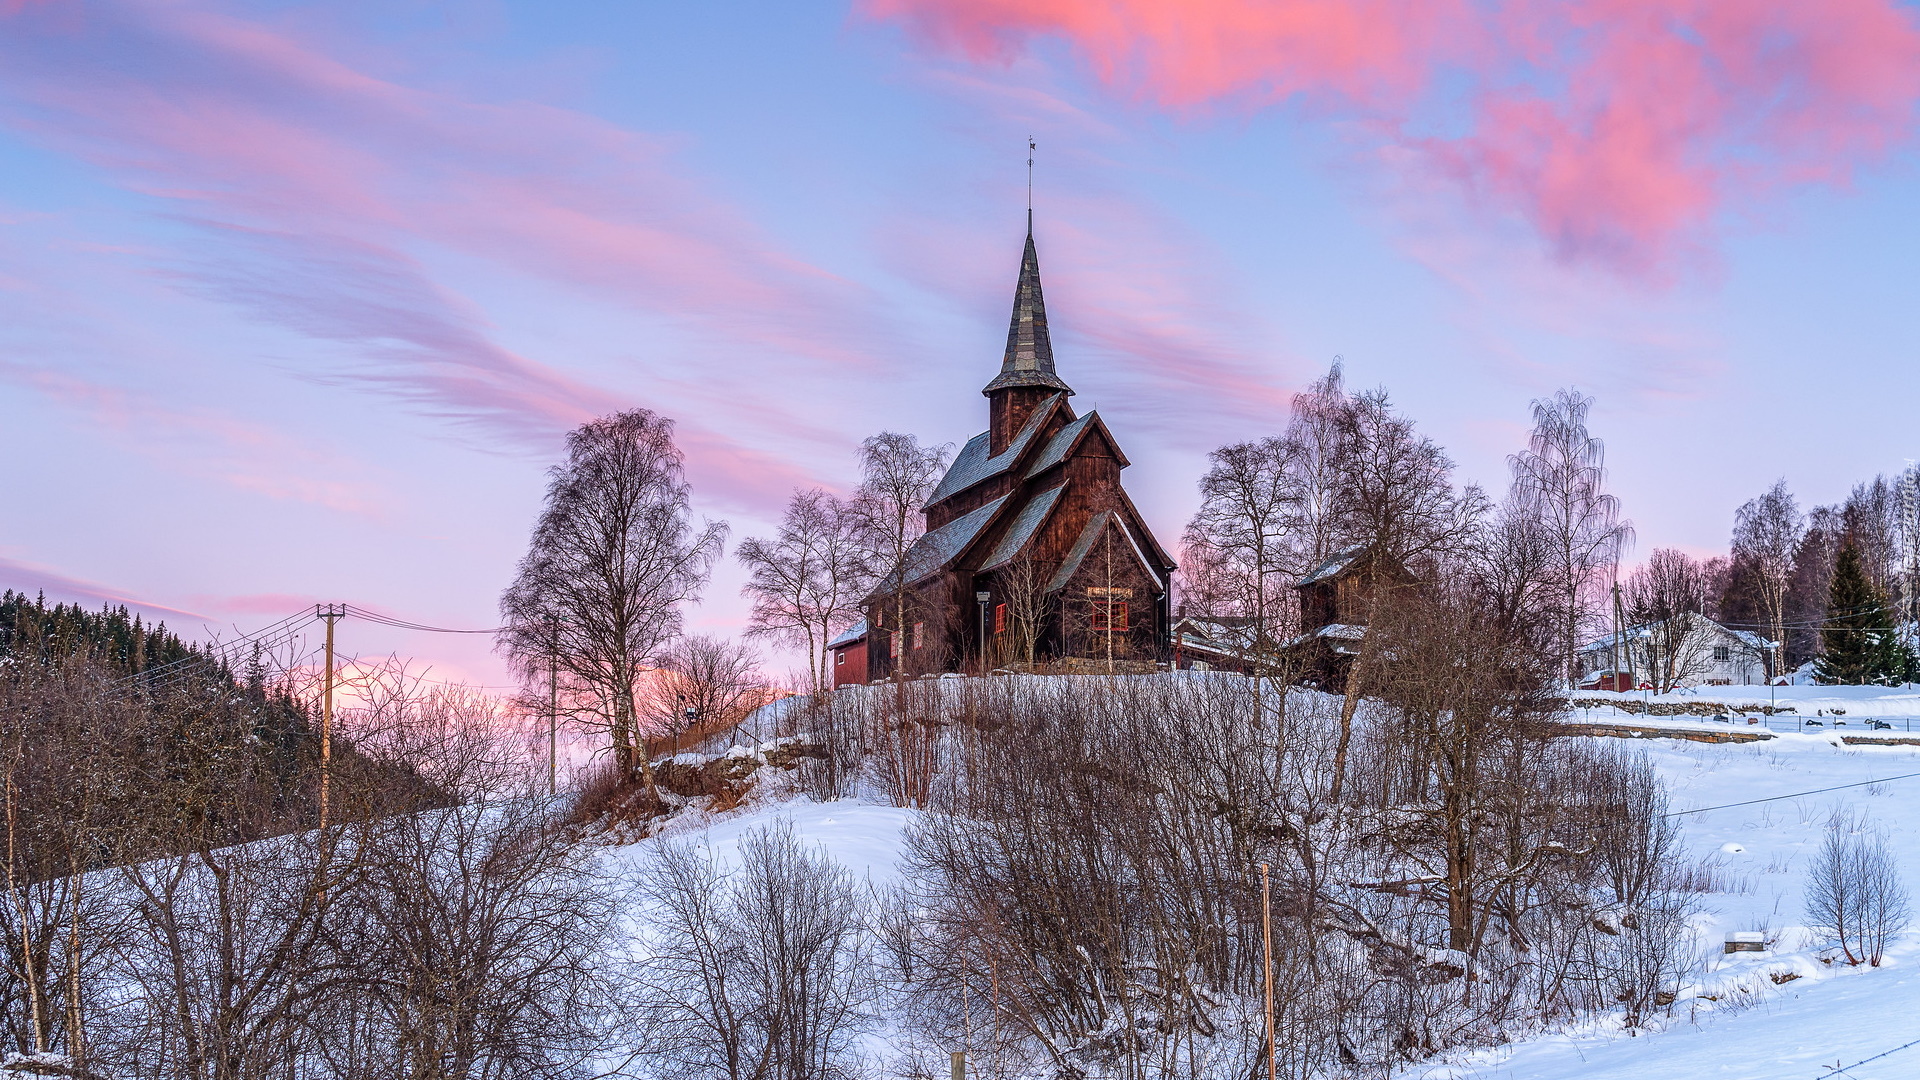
[(1266, 933)]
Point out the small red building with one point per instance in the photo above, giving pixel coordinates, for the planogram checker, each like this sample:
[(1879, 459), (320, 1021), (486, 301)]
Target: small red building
[(850, 656)]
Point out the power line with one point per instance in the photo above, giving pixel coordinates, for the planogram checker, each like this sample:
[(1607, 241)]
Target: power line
[(402, 624), (266, 638), (1795, 795)]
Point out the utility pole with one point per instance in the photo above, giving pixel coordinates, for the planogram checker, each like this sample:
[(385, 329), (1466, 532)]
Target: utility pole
[(332, 613), (1616, 643), (553, 704), (1266, 934)]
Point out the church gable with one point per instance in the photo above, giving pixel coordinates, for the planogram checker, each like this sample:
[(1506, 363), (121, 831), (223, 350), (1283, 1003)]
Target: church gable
[(977, 476)]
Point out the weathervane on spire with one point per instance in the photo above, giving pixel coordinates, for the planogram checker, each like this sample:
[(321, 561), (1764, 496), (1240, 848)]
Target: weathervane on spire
[(1031, 147)]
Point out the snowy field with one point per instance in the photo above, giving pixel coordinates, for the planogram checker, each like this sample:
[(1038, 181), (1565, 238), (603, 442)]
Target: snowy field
[(1733, 1019)]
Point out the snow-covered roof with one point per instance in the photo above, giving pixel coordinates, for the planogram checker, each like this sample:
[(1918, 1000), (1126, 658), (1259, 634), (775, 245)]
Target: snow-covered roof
[(1330, 632), (1642, 631), (850, 635), (973, 464), (1028, 522), (1335, 563)]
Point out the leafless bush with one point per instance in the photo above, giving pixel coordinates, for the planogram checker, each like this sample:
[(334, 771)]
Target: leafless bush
[(1854, 891), (1085, 894), (475, 942), (764, 972)]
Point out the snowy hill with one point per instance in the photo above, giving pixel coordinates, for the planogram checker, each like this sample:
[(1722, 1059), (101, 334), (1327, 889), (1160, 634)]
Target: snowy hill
[(1789, 1012)]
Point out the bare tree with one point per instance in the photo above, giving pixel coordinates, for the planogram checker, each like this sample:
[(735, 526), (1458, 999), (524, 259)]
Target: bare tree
[(478, 937), (1766, 534), (614, 556), (1561, 475), (898, 476), (709, 682), (1316, 438), (806, 582), (1249, 509), (1665, 600), (1854, 890), (1022, 583), (1397, 503), (762, 974)]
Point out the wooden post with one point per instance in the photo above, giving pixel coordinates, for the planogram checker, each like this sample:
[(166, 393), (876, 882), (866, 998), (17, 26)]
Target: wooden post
[(329, 613), (958, 1065), (1266, 934), (553, 705)]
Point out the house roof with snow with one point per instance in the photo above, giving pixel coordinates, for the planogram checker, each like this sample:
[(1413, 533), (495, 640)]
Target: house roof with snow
[(1643, 631), (851, 634), (1334, 565)]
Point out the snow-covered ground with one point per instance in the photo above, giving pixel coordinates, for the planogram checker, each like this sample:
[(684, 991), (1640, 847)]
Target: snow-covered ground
[(1732, 1019), (1831, 1015)]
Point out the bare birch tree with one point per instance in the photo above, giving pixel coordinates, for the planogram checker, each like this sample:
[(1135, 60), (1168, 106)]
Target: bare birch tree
[(1316, 441), (1249, 508), (614, 556), (1766, 534), (807, 581), (1561, 476), (898, 476)]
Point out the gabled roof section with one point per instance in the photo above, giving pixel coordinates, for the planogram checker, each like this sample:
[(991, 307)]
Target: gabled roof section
[(935, 550), (1028, 522), (1336, 564), (1084, 546), (1067, 438), (1029, 357), (973, 464)]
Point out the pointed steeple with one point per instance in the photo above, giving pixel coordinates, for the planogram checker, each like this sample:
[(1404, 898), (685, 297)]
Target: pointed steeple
[(1029, 357)]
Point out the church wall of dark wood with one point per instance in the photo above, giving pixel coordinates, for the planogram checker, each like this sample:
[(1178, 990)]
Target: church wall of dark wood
[(1110, 576)]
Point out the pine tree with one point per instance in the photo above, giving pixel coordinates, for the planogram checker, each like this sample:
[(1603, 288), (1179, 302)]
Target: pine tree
[(1857, 646)]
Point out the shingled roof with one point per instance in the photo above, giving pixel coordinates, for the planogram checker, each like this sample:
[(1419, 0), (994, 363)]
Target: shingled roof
[(1084, 546), (1025, 524), (974, 464), (1029, 356), (935, 549)]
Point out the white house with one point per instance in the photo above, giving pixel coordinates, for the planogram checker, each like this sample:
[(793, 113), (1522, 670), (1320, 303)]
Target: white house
[(1686, 650)]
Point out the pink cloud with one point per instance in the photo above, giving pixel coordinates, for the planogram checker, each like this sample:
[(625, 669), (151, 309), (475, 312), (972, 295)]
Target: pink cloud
[(322, 193), (1617, 129)]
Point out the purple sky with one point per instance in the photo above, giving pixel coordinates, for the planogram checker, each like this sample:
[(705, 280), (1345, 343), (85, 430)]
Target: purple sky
[(297, 300)]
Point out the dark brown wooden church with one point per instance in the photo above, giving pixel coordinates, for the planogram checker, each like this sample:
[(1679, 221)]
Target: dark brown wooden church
[(1033, 552)]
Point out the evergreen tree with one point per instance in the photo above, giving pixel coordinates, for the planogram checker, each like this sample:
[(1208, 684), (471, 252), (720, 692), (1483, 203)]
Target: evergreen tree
[(1858, 644)]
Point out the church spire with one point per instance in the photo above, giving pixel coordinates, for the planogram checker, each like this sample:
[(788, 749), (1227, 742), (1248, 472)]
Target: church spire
[(1029, 357)]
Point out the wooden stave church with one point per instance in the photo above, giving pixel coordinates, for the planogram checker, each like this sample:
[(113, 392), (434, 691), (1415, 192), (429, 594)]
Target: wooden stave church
[(1031, 515)]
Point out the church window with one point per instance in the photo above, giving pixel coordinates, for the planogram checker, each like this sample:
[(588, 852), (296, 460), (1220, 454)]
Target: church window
[(839, 658), (1722, 653), (919, 633), (999, 618), (1109, 614)]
